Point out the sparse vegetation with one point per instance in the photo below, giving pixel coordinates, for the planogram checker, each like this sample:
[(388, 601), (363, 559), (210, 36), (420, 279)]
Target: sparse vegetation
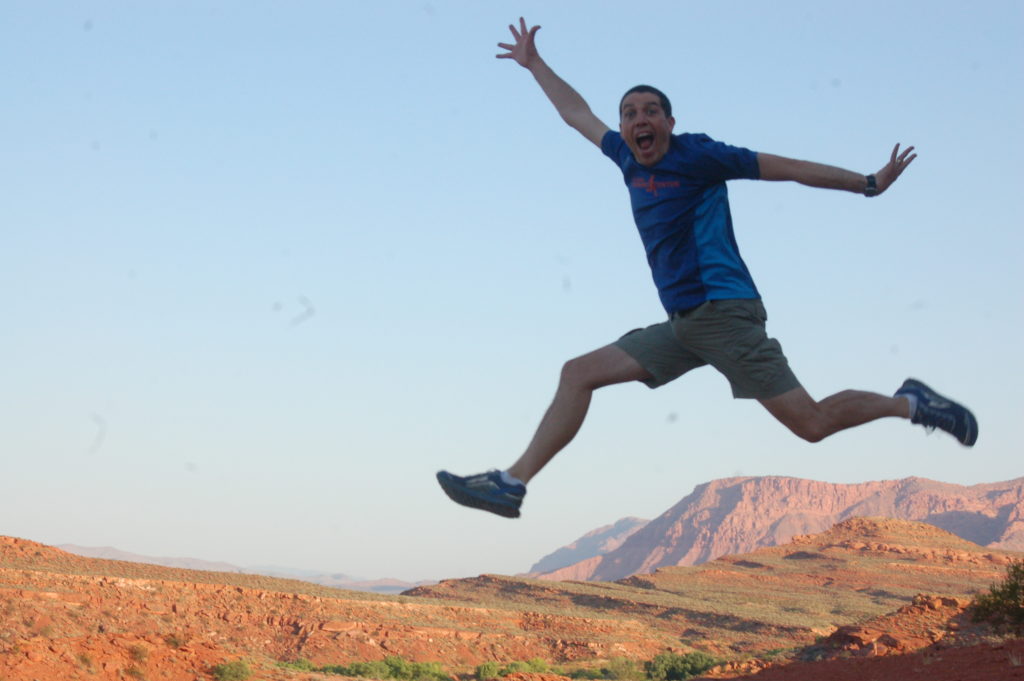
[(488, 670), (623, 669), (492, 670), (673, 667), (666, 667), (86, 660), (139, 653), (1003, 606), (175, 640), (232, 671), (617, 669), (394, 668), (777, 654)]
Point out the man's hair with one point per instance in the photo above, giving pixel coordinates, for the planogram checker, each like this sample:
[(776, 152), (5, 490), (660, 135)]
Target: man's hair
[(666, 105)]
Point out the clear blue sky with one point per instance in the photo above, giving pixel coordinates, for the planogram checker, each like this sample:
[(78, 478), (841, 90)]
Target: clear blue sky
[(267, 266)]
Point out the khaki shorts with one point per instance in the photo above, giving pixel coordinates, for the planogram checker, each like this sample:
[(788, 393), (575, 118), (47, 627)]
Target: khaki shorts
[(727, 334)]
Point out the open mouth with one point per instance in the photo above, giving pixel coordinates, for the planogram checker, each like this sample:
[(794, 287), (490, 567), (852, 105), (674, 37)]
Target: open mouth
[(645, 141)]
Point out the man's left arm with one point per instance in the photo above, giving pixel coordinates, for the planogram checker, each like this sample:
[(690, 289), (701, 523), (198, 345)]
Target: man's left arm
[(812, 174)]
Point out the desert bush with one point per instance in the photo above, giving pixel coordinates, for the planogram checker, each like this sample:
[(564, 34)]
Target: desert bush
[(393, 667), (232, 671), (488, 670), (534, 666), (622, 669), (617, 669), (1003, 606), (301, 664), (673, 667), (139, 652), (494, 670)]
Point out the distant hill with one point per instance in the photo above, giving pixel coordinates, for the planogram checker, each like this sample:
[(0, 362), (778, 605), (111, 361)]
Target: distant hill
[(110, 553), (337, 580), (738, 515), (594, 543)]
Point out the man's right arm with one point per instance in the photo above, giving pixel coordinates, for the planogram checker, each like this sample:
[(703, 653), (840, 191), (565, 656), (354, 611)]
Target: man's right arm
[(573, 109)]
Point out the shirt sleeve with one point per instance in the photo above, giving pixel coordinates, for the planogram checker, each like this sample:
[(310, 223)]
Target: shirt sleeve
[(718, 161), (613, 146)]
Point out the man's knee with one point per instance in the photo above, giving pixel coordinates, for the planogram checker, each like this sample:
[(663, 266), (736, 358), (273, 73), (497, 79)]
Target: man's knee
[(801, 414), (606, 366), (578, 373), (813, 430)]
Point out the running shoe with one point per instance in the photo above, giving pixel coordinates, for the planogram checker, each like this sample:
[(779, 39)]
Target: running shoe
[(486, 491), (936, 411)]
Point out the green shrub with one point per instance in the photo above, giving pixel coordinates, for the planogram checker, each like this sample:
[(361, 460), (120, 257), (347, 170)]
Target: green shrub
[(1003, 605), (232, 671), (488, 670), (622, 669), (394, 668), (587, 674), (673, 667)]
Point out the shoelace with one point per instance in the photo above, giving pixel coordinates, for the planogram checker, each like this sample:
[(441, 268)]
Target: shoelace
[(935, 419)]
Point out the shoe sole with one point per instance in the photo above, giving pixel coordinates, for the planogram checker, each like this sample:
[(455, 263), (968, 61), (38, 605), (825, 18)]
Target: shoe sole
[(464, 497), (972, 423)]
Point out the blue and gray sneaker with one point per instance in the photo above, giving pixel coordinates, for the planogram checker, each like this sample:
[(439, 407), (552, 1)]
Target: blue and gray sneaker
[(486, 491), (936, 411)]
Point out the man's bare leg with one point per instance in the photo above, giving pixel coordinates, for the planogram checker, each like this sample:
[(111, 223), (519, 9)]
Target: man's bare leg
[(580, 378), (814, 421)]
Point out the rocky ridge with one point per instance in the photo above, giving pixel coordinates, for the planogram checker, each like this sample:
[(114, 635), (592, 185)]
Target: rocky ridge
[(70, 617), (738, 515)]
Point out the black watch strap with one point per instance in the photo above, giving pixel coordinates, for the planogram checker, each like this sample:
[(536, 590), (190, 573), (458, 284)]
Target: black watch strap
[(872, 187)]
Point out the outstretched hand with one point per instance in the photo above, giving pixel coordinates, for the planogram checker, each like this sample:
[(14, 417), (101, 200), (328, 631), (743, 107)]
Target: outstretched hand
[(523, 51), (894, 168)]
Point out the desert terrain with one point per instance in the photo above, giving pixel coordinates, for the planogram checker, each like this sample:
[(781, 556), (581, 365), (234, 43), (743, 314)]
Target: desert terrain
[(868, 598)]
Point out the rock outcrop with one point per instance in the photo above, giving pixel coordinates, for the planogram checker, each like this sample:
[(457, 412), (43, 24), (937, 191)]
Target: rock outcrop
[(738, 515)]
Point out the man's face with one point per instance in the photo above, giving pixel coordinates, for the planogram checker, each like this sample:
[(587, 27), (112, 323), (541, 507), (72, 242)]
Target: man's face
[(645, 127)]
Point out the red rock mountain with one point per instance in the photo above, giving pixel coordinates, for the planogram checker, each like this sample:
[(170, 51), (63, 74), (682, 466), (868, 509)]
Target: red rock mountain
[(738, 515), (594, 543)]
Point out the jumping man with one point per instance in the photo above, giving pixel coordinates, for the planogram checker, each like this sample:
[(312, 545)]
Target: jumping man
[(677, 188)]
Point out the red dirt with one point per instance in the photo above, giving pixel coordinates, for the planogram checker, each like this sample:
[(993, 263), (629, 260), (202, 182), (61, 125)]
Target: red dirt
[(62, 620), (68, 617), (982, 662)]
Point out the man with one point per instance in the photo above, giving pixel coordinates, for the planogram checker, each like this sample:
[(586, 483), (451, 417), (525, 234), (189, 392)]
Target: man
[(677, 188)]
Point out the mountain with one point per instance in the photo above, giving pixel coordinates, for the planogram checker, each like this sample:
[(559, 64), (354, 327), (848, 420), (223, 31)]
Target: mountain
[(871, 587), (594, 543), (110, 553), (337, 580), (738, 515)]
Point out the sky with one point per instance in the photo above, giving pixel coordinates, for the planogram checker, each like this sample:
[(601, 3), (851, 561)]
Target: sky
[(268, 266)]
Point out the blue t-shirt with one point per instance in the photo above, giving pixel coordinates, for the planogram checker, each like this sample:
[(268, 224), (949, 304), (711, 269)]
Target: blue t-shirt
[(682, 211)]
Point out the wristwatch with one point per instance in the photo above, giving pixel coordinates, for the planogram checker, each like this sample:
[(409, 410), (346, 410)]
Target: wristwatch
[(872, 188)]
